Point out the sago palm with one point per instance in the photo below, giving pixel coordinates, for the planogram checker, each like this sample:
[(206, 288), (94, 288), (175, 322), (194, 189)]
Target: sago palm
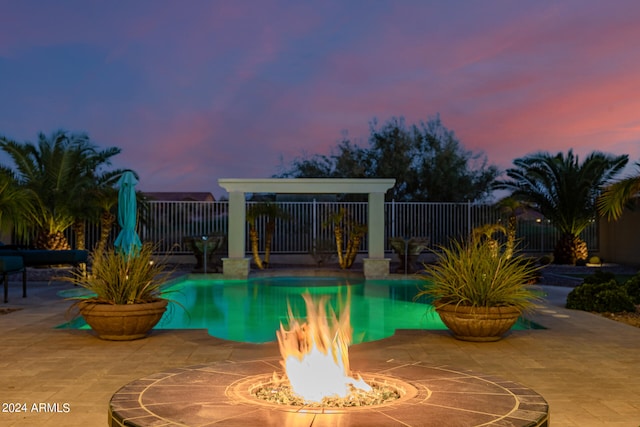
[(565, 191)]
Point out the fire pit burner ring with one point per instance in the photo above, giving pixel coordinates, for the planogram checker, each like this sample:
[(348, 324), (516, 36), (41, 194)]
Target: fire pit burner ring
[(244, 390), (219, 394)]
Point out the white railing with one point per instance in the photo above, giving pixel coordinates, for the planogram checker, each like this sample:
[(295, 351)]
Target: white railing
[(306, 225)]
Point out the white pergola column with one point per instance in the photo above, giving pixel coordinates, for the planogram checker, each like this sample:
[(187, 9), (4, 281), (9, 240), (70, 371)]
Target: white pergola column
[(237, 226), (376, 225), (376, 266), (237, 265)]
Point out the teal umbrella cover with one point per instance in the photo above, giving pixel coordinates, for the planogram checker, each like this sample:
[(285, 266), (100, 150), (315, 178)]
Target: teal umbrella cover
[(128, 241)]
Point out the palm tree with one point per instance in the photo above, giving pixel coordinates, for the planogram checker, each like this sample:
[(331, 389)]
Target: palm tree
[(15, 203), (272, 212), (486, 233), (564, 191), (616, 196), (336, 218), (98, 206), (61, 171), (512, 208), (343, 226), (106, 200)]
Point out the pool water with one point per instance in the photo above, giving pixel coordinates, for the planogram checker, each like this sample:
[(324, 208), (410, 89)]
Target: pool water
[(251, 310)]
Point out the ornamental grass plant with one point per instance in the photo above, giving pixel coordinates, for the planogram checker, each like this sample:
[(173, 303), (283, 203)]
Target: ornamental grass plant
[(119, 278), (480, 273)]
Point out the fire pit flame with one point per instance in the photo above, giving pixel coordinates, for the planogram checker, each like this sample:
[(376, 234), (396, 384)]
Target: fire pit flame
[(315, 353)]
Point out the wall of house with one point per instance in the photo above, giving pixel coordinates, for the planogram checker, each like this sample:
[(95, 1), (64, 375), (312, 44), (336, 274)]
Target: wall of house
[(620, 240)]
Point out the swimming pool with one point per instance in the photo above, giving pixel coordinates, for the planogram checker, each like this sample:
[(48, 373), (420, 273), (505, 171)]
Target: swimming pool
[(251, 310)]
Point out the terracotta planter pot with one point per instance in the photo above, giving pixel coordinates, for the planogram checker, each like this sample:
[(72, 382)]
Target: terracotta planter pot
[(123, 322), (477, 323)]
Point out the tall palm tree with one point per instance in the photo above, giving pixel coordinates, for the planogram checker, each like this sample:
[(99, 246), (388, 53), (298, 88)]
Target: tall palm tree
[(60, 170), (616, 196), (564, 191)]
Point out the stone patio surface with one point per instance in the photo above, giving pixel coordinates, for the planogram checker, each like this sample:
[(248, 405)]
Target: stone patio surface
[(585, 366)]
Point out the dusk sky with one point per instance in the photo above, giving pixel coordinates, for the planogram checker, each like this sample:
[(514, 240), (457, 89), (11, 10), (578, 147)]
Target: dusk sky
[(193, 91)]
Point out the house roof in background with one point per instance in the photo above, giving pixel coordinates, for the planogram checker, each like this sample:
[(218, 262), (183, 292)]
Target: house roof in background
[(178, 196)]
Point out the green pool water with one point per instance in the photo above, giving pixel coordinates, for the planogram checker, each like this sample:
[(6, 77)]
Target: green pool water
[(251, 310)]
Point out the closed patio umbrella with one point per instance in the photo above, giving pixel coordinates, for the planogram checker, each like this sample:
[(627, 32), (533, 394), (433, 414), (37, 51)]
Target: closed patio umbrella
[(127, 241)]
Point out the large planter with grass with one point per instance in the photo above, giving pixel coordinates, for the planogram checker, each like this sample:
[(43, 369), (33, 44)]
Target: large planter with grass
[(126, 301), (122, 322), (480, 288), (477, 323)]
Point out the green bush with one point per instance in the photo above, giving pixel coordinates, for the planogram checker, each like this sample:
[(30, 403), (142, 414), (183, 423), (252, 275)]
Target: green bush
[(633, 288), (600, 277), (613, 301), (600, 297)]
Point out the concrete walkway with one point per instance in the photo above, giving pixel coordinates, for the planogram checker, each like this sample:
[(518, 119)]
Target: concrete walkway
[(586, 366)]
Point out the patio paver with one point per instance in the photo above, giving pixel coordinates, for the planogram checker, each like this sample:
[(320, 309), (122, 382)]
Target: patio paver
[(585, 366)]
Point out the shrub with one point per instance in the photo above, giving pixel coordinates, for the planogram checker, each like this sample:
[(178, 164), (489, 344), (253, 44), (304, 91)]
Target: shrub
[(595, 260), (613, 301), (600, 297), (600, 277), (633, 288), (581, 262)]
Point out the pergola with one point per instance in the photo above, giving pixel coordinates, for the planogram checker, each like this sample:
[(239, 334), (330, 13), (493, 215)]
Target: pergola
[(237, 265)]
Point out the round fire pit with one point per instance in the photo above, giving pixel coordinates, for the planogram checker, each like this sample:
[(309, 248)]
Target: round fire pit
[(219, 394)]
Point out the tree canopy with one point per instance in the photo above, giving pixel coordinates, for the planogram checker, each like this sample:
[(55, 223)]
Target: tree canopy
[(427, 160)]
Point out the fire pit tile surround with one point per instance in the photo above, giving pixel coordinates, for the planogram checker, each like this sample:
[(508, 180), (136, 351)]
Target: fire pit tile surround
[(205, 395)]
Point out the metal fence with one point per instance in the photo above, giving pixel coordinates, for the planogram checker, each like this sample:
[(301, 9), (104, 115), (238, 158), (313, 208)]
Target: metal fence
[(306, 227)]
